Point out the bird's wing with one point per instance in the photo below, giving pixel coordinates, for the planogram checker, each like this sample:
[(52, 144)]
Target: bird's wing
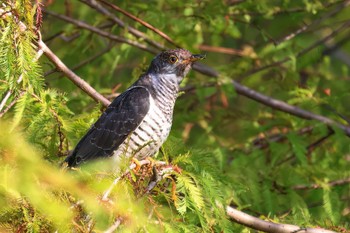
[(120, 119)]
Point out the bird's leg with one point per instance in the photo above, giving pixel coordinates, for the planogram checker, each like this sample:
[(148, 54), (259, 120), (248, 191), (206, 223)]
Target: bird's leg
[(156, 177)]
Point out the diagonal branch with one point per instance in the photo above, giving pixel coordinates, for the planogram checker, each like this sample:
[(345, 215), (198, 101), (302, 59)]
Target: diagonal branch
[(314, 23), (147, 25), (265, 226), (100, 32), (346, 25), (86, 61), (284, 107), (120, 23), (318, 186), (72, 76)]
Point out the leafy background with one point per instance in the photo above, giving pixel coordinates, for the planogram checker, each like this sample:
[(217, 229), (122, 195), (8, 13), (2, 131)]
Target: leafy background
[(232, 150)]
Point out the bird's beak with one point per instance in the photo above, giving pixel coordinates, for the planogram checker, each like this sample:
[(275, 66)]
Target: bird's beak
[(196, 57)]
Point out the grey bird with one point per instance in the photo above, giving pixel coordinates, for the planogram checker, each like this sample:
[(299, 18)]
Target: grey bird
[(138, 121)]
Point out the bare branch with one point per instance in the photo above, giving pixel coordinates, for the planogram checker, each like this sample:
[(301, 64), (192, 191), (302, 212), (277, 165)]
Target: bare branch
[(147, 25), (284, 107), (72, 76), (115, 225), (262, 142), (301, 53), (262, 225), (84, 62), (120, 23), (318, 186), (100, 32), (224, 50), (11, 104), (314, 23), (310, 148)]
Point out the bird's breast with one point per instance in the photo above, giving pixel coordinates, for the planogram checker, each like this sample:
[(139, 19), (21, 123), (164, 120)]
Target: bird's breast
[(152, 132)]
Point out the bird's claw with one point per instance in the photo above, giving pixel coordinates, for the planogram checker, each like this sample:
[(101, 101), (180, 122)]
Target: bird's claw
[(137, 165)]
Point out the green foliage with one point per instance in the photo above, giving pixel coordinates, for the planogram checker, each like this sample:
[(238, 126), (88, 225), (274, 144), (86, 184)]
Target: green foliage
[(228, 149)]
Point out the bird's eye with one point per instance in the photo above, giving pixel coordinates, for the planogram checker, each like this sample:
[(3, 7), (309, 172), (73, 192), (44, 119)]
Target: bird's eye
[(173, 59)]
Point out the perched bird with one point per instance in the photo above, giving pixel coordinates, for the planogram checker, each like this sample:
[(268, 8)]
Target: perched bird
[(138, 121)]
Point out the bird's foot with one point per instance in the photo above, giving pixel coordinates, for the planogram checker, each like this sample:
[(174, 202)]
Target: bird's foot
[(137, 163)]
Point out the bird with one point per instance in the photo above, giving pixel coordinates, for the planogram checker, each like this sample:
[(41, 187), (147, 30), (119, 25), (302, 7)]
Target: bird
[(139, 120)]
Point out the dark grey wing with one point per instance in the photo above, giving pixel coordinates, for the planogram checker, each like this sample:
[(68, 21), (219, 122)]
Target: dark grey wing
[(121, 118)]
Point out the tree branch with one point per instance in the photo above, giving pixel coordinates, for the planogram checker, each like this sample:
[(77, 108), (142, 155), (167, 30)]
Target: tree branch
[(314, 23), (84, 62), (284, 107), (2, 113), (72, 76), (120, 23), (147, 25), (300, 53), (100, 32), (115, 225), (318, 186), (261, 225)]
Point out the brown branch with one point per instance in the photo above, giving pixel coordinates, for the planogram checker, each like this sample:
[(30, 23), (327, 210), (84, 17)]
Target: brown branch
[(310, 148), (100, 32), (318, 186), (147, 25), (114, 226), (284, 107), (263, 142), (72, 76), (301, 53), (224, 50), (120, 23), (84, 62), (262, 225), (314, 23)]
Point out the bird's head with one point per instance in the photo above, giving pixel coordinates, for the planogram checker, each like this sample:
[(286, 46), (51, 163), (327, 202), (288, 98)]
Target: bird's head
[(177, 62)]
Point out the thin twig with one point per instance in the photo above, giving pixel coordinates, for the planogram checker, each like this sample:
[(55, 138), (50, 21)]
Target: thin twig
[(224, 50), (301, 53), (72, 76), (11, 104), (263, 142), (84, 62), (314, 23), (318, 186), (120, 23), (147, 25), (115, 225), (284, 107), (310, 148), (100, 32), (262, 225)]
